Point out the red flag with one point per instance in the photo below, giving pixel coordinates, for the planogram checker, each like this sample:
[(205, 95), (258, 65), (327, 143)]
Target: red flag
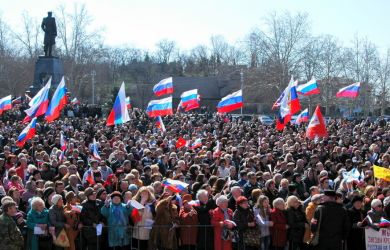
[(136, 216), (90, 179), (180, 142), (317, 126)]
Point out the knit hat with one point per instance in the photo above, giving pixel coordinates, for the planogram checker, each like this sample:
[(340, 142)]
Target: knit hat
[(241, 199), (376, 203), (69, 196), (88, 191), (55, 199)]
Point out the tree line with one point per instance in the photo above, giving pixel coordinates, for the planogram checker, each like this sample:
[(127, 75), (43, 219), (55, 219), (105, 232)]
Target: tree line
[(267, 56)]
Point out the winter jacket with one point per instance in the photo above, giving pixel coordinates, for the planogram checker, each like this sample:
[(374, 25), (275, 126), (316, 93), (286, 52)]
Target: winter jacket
[(189, 229), (33, 218), (278, 230), (57, 218), (90, 214), (296, 219), (10, 236)]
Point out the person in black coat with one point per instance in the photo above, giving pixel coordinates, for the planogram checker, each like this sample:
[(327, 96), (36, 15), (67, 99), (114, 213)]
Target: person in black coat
[(90, 217), (356, 236), (245, 219), (334, 225), (296, 220), (205, 230)]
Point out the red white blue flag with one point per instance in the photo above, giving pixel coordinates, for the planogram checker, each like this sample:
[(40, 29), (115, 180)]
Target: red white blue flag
[(164, 87)]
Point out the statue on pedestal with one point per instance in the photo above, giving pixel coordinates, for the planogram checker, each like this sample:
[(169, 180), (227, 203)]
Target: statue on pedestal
[(50, 28)]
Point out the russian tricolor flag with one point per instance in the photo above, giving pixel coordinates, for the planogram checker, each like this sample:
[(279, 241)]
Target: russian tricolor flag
[(27, 133), (39, 103), (17, 100), (128, 103), (175, 185), (5, 103), (164, 87), (351, 91), (95, 152), (119, 113), (75, 101), (230, 102), (289, 105), (309, 88), (197, 143), (302, 117), (63, 142), (160, 124), (160, 107), (58, 102), (190, 99)]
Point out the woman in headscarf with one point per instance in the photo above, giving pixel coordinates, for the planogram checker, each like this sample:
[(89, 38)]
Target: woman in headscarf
[(221, 219), (117, 214)]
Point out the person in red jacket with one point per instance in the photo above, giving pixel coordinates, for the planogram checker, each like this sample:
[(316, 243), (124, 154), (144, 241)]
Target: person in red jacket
[(279, 229), (21, 170), (188, 221), (221, 219)]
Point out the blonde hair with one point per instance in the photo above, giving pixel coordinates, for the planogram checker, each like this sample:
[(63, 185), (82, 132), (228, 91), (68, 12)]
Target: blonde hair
[(290, 201), (137, 196)]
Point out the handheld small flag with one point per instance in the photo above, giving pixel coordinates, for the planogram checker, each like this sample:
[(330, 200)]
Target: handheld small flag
[(175, 185), (197, 143), (119, 113), (181, 142), (75, 101), (95, 152), (63, 142), (303, 117), (160, 124), (128, 103)]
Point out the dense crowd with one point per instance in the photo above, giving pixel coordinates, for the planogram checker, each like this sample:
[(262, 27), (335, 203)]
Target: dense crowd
[(249, 186)]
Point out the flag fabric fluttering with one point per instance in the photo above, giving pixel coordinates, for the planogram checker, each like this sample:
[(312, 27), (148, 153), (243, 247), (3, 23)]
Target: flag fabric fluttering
[(90, 179), (381, 173), (164, 87), (189, 100), (197, 143), (303, 117), (160, 124), (58, 102), (63, 142), (181, 142), (309, 88), (39, 103), (5, 103), (27, 133), (160, 107), (175, 186), (384, 223), (119, 113), (351, 91), (289, 105), (230, 102), (17, 100), (317, 126), (128, 103), (95, 150), (352, 175), (75, 101)]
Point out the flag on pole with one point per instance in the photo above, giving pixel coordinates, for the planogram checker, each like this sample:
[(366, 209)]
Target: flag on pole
[(63, 142), (128, 103), (197, 143), (75, 101), (160, 124), (351, 91), (39, 103), (382, 173), (316, 127), (160, 107), (230, 102), (119, 113), (95, 150), (289, 105), (5, 103), (181, 142), (164, 87), (58, 102), (27, 133), (309, 88), (303, 117)]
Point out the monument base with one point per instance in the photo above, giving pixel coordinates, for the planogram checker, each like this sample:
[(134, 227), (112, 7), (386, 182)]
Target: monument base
[(47, 67)]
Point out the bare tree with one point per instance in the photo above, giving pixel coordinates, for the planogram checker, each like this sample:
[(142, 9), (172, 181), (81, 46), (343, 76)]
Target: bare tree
[(30, 37), (383, 80), (165, 49)]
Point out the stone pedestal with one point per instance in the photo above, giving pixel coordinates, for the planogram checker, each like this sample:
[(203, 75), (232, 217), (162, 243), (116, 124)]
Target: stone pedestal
[(44, 68)]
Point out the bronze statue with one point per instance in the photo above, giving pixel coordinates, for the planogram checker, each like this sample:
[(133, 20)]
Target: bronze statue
[(50, 28)]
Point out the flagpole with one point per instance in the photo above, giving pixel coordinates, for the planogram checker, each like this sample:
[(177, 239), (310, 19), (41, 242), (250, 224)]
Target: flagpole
[(242, 83)]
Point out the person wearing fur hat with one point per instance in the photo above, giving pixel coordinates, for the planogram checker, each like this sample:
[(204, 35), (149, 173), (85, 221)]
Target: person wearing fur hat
[(10, 236), (56, 215), (356, 235), (117, 214)]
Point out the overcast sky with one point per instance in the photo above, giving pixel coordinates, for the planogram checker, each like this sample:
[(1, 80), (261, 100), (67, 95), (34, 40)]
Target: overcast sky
[(142, 23)]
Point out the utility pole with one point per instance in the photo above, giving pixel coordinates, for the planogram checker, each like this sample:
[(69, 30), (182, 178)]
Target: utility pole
[(93, 74), (242, 84)]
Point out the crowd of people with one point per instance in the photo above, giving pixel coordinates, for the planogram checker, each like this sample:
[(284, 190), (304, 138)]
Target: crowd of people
[(248, 186)]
